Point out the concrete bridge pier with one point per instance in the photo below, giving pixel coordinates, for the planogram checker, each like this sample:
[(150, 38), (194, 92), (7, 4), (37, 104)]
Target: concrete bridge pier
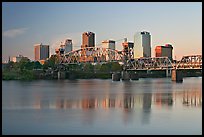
[(134, 76), (168, 72), (116, 76), (176, 75), (61, 74), (125, 76)]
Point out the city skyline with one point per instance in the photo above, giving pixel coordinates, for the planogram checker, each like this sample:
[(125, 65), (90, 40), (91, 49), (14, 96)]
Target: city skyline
[(176, 23)]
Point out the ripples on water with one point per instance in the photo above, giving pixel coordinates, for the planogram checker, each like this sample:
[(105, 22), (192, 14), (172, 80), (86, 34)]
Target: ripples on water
[(147, 106)]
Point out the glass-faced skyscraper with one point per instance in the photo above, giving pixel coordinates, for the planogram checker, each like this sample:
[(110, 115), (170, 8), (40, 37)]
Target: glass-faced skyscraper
[(142, 44)]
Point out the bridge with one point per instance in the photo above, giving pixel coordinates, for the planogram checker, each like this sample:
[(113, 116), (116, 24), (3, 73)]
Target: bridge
[(104, 55), (92, 55)]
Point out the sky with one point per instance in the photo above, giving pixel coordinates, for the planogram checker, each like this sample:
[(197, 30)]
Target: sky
[(27, 23)]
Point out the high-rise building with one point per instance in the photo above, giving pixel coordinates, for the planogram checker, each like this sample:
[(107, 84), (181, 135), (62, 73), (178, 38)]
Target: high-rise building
[(68, 45), (41, 52), (109, 44), (128, 49), (142, 44), (164, 51), (88, 39)]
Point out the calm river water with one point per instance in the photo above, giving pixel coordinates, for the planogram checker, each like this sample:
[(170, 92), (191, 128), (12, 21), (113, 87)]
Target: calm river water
[(146, 106)]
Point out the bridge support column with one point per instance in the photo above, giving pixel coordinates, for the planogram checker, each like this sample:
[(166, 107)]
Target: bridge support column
[(168, 72), (125, 76), (61, 75), (134, 76), (116, 76), (176, 75)]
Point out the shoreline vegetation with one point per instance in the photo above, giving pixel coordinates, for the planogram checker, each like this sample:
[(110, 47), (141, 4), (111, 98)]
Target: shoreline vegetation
[(30, 70)]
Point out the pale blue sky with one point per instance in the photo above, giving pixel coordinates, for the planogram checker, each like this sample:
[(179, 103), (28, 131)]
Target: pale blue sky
[(25, 24)]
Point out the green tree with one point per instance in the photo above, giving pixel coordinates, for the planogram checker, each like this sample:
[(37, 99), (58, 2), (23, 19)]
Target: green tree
[(24, 63), (88, 67), (105, 68), (45, 65), (10, 65), (115, 66), (29, 65), (37, 65), (97, 67)]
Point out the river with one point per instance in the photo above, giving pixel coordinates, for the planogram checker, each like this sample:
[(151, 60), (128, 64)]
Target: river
[(150, 106)]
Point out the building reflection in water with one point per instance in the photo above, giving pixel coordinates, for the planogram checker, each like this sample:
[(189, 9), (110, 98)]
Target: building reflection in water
[(147, 102), (129, 101), (192, 98), (134, 103)]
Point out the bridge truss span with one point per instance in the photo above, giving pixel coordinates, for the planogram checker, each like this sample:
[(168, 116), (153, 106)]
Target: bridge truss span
[(91, 54), (149, 63), (190, 62)]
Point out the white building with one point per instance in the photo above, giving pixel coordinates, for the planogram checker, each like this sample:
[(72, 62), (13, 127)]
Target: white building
[(142, 44), (110, 44), (18, 58)]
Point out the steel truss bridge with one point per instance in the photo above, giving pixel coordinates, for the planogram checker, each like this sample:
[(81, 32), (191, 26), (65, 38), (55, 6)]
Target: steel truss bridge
[(91, 54), (190, 62), (104, 55)]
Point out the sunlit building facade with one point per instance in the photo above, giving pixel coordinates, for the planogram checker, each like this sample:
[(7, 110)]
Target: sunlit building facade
[(109, 44), (41, 52), (142, 44), (164, 51), (88, 39), (18, 58), (128, 49)]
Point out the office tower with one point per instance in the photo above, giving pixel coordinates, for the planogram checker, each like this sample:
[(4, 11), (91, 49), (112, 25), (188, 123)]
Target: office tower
[(128, 50), (164, 51), (142, 44), (41, 52), (88, 39), (68, 45), (109, 44)]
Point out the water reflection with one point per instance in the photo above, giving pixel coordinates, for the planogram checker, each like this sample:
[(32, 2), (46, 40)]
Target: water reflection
[(192, 98), (94, 103), (126, 102)]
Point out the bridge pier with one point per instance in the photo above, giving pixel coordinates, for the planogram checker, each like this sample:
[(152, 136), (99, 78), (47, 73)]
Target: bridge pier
[(168, 72), (116, 76), (125, 76), (61, 74), (176, 75), (134, 76)]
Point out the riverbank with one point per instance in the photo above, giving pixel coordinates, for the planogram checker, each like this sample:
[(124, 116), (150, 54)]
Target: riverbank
[(42, 74)]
